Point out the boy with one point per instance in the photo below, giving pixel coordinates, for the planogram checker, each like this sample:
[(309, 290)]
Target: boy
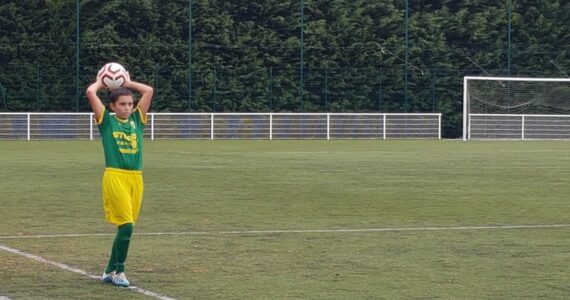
[(121, 136)]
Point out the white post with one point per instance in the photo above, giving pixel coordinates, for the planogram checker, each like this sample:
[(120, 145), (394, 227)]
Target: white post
[(91, 126), (328, 126), (465, 109), (522, 127), (152, 126), (439, 126), (384, 126), (211, 126), (29, 129), (270, 126)]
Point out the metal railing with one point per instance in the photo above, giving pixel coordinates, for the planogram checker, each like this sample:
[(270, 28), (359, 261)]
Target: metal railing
[(216, 126), (519, 127)]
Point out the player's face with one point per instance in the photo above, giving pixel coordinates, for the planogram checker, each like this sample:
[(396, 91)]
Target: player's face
[(123, 107)]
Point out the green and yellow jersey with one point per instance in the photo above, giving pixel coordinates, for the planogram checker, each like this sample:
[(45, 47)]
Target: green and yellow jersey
[(122, 140)]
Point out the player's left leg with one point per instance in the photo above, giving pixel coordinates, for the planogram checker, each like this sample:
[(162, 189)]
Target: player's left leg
[(121, 250)]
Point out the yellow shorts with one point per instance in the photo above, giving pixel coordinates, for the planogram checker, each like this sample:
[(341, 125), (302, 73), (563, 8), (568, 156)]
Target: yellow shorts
[(122, 195)]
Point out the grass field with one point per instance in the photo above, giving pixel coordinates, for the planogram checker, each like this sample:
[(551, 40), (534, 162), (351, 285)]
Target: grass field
[(295, 220)]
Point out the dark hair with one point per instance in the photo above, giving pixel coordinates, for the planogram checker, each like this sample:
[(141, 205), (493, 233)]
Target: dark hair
[(115, 94)]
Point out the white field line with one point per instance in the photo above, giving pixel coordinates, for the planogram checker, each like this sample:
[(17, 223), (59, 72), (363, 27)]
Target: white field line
[(285, 231), (78, 271)]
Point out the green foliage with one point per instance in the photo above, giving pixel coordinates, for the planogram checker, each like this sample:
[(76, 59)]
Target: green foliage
[(246, 55)]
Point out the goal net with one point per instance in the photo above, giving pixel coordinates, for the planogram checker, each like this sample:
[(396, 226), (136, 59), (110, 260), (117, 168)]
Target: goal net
[(516, 108)]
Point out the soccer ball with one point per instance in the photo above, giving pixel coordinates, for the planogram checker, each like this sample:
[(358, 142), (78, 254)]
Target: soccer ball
[(113, 75)]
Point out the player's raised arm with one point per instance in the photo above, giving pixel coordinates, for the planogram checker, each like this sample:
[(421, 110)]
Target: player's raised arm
[(146, 94), (96, 105)]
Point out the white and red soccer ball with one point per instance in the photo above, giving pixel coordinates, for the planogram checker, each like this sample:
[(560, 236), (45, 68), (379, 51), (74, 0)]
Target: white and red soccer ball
[(113, 75)]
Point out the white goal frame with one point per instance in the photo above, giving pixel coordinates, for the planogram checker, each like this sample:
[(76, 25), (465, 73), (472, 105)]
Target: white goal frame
[(520, 121)]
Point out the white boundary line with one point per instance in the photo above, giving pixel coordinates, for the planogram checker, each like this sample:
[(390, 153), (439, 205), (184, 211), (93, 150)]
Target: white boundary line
[(285, 231), (78, 271), (245, 232)]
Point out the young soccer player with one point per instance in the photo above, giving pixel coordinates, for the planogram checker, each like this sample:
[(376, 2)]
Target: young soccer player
[(121, 136)]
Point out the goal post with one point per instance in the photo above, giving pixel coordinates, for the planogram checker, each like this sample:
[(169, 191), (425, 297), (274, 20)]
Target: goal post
[(516, 108)]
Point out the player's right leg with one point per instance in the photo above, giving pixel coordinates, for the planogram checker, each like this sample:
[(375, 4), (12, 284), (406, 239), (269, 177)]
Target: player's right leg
[(109, 272), (108, 277)]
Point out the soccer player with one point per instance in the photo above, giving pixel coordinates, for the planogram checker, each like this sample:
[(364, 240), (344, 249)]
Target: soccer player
[(121, 136)]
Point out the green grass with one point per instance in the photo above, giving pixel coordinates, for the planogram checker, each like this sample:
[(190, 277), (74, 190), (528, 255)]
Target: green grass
[(212, 187)]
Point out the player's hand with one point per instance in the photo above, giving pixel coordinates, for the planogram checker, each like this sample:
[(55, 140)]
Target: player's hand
[(97, 85), (127, 78)]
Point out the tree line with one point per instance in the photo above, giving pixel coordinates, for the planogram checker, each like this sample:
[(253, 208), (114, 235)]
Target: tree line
[(275, 55)]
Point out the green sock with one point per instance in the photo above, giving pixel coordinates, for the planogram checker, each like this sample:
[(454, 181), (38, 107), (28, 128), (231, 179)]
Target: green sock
[(111, 265), (121, 246)]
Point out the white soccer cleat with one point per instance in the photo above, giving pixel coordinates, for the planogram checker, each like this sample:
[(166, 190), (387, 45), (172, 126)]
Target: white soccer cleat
[(120, 280), (107, 278)]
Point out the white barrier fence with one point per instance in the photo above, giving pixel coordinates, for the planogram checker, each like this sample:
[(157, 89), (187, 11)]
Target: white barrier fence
[(214, 126), (519, 126)]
